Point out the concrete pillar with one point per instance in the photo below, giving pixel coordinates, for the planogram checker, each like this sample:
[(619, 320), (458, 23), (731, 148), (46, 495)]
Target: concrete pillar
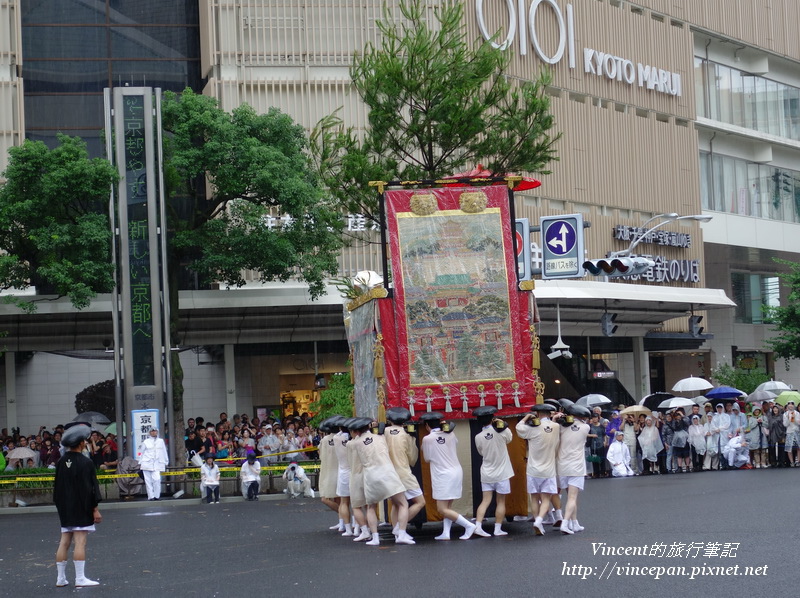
[(641, 369), (230, 380), (11, 391)]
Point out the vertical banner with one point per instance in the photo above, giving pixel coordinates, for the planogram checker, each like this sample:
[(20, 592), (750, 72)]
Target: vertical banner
[(462, 326), (139, 256), (142, 421)]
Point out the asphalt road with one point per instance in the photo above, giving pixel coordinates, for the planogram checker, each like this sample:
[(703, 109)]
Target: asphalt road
[(281, 547)]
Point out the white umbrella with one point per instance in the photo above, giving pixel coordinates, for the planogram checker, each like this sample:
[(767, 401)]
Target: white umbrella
[(692, 384), (593, 400), (21, 452), (92, 417), (676, 402), (774, 386), (701, 400)]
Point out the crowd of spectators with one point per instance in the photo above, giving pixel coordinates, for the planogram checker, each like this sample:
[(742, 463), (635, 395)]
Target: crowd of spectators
[(272, 441), (720, 435), (44, 448)]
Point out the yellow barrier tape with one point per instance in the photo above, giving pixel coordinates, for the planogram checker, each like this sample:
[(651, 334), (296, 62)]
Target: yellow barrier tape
[(313, 467)]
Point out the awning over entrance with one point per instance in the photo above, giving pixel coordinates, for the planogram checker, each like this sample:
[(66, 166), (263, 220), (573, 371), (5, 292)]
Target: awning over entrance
[(640, 308)]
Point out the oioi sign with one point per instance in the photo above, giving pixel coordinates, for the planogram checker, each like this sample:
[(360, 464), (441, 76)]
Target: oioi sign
[(595, 62)]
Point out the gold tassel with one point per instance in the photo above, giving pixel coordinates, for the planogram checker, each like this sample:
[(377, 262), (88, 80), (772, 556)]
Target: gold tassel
[(537, 359), (378, 366)]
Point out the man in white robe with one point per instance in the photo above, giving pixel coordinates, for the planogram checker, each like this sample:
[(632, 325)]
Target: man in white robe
[(720, 428), (572, 465), (381, 482), (329, 470), (404, 453), (619, 457), (153, 461), (340, 440), (542, 475), (496, 469), (439, 448), (297, 481)]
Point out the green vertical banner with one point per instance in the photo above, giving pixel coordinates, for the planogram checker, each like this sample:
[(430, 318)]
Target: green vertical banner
[(138, 204)]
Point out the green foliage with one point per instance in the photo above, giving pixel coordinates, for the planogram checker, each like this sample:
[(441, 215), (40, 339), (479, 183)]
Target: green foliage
[(337, 399), (257, 170), (438, 104), (54, 226), (97, 397), (745, 380), (786, 318)]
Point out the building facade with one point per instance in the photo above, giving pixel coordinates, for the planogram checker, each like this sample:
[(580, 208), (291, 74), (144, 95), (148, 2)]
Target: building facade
[(680, 107)]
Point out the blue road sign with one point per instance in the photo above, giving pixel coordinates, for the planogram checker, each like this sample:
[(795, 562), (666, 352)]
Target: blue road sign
[(562, 246)]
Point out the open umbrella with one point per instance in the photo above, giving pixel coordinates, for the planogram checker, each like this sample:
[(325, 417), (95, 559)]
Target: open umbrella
[(92, 417), (112, 428), (675, 403), (701, 400), (775, 386), (692, 384), (21, 452), (724, 392), (759, 396), (788, 395), (593, 400), (652, 401), (635, 410)]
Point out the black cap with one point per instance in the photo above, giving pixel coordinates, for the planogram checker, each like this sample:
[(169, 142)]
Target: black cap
[(484, 411), (543, 407), (552, 402), (431, 416), (398, 415), (579, 411), (251, 456), (359, 423), (565, 403)]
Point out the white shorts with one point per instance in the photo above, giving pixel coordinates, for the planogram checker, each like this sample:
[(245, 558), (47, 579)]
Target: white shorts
[(572, 480), (503, 487), (72, 528), (409, 494), (542, 485), (343, 483)]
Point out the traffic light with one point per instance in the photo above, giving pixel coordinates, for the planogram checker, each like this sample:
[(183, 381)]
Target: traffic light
[(618, 266), (607, 324), (694, 326)]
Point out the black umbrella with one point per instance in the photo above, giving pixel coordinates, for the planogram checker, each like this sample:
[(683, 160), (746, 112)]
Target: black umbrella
[(653, 400)]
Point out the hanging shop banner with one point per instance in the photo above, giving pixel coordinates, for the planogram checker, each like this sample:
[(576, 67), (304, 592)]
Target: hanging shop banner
[(462, 327)]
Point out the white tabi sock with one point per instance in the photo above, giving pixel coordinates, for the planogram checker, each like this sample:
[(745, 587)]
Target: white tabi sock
[(576, 527), (376, 540), (498, 530), (61, 566), (339, 526), (469, 527), (479, 531), (348, 530), (80, 579), (559, 515), (446, 525)]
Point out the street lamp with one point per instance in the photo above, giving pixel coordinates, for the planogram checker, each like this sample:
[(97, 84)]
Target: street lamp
[(666, 219)]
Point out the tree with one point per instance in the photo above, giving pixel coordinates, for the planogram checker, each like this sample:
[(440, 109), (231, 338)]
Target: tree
[(97, 397), (54, 227), (786, 318), (437, 103), (337, 399), (738, 377), (243, 196)]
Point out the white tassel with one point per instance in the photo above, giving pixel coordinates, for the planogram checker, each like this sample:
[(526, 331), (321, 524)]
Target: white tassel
[(482, 395), (411, 402), (464, 405), (448, 407), (499, 390), (515, 386)]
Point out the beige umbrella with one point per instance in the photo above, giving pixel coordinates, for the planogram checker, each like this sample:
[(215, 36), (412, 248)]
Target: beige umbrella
[(635, 410)]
